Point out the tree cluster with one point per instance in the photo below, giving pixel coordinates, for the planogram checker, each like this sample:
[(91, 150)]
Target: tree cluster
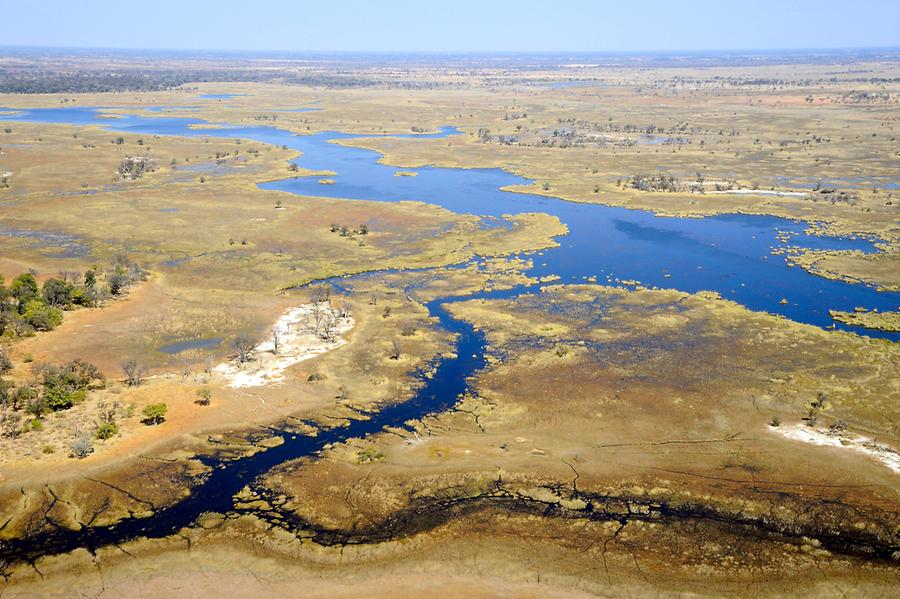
[(659, 182), (363, 229), (53, 388), (26, 307), (134, 167)]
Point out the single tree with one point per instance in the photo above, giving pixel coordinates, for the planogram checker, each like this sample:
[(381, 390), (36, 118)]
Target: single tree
[(243, 345), (134, 372), (154, 414), (204, 395)]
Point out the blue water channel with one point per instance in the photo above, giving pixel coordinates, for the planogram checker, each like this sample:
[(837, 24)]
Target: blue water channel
[(730, 254)]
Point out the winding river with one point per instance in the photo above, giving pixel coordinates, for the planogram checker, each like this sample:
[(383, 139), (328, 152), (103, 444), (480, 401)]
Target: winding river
[(730, 254)]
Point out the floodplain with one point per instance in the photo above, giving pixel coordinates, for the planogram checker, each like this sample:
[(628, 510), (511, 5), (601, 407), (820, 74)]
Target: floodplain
[(519, 329)]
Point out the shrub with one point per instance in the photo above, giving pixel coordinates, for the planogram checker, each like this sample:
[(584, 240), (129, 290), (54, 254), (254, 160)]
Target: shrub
[(81, 447), (134, 373), (107, 412), (27, 396), (57, 292), (117, 282), (106, 430), (7, 393), (48, 449), (67, 385), (34, 404), (9, 425), (203, 396), (59, 398), (82, 296), (154, 414), (76, 373), (24, 288), (41, 316), (369, 455)]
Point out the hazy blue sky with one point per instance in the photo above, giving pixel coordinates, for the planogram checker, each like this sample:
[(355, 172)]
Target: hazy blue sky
[(452, 25)]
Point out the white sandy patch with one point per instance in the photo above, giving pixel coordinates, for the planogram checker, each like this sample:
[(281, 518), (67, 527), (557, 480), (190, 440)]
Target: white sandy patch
[(763, 192), (843, 439), (299, 338)]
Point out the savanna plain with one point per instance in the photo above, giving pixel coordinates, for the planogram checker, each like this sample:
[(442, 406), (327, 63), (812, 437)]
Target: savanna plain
[(228, 368)]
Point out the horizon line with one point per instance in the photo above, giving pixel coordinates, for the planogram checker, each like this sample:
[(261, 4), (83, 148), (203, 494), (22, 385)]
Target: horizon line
[(454, 52)]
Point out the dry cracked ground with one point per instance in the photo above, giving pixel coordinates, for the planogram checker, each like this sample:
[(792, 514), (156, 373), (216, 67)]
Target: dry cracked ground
[(620, 442)]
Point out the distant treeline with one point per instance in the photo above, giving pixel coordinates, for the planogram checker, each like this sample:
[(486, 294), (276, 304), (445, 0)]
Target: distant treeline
[(88, 81), (85, 82)]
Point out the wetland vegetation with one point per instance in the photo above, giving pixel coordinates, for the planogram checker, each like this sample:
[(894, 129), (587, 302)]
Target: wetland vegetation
[(492, 326)]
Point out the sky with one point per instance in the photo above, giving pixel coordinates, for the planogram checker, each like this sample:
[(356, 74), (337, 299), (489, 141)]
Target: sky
[(452, 25)]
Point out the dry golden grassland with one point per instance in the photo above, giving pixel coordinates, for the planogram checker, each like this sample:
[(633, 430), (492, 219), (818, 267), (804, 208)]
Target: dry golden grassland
[(220, 249), (620, 442), (222, 254)]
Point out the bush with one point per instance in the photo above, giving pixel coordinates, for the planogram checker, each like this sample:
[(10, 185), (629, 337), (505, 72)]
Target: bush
[(33, 403), (117, 282), (203, 396), (41, 316), (134, 373), (154, 414), (369, 455), (7, 394), (106, 430), (9, 425), (84, 297), (24, 288), (81, 447), (27, 397), (59, 398), (57, 292), (67, 385)]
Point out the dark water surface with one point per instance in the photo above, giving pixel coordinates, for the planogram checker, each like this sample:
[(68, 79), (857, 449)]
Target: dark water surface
[(729, 254), (176, 347)]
